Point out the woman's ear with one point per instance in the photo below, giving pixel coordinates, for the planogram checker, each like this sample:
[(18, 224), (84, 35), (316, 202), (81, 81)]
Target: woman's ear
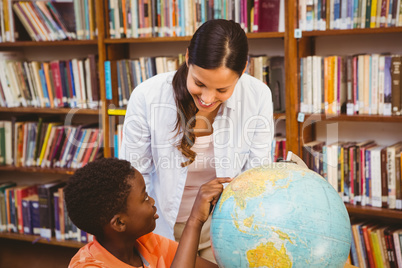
[(117, 223)]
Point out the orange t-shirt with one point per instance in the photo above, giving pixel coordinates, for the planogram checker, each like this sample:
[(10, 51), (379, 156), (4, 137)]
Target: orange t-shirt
[(156, 251)]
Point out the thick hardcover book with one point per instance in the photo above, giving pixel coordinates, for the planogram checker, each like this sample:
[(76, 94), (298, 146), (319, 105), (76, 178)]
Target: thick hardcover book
[(30, 210), (46, 207), (21, 192)]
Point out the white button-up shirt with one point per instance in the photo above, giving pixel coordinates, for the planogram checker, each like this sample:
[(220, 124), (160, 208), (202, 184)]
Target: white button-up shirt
[(242, 133)]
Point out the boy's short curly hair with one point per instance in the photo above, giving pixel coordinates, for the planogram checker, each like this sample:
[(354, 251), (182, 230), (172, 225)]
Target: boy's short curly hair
[(97, 192)]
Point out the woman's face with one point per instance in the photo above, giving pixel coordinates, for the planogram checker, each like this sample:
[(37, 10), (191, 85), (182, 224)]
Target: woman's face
[(209, 88)]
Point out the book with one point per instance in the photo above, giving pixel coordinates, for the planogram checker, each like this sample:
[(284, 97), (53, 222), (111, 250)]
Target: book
[(391, 153), (396, 84), (3, 205), (30, 209), (46, 207), (20, 193)]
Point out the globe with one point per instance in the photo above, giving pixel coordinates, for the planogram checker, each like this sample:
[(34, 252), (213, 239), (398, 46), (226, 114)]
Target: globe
[(281, 215)]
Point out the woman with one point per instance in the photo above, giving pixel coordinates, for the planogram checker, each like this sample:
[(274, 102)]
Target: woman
[(206, 120)]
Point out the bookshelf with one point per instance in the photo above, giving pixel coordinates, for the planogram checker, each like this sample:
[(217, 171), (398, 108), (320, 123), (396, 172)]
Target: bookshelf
[(307, 127), (107, 48)]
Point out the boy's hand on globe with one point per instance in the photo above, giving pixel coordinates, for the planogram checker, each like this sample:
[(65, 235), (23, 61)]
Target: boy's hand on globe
[(207, 197)]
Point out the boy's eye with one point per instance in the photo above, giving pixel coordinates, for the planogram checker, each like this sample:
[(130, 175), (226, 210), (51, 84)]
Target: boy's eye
[(146, 197)]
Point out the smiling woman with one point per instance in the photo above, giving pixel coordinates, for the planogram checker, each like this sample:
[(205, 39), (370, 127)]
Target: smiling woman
[(207, 113)]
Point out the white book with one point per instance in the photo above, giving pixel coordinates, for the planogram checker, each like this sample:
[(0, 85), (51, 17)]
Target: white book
[(381, 80), (31, 86), (134, 18), (302, 14), (374, 84), (360, 83), (11, 100), (11, 75), (309, 86), (375, 169), (90, 101), (81, 76), (316, 71)]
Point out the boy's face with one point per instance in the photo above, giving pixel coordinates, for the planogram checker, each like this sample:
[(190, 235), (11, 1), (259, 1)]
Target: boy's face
[(141, 213)]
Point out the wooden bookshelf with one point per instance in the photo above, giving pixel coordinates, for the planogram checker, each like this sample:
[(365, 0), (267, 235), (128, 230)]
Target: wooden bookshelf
[(37, 239), (353, 31), (38, 170), (183, 38), (32, 110), (354, 118), (373, 212), (6, 45)]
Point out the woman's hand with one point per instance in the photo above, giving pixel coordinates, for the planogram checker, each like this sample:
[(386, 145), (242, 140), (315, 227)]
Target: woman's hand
[(207, 197)]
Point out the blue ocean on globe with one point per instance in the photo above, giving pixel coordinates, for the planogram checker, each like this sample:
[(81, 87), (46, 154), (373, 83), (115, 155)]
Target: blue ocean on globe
[(280, 215)]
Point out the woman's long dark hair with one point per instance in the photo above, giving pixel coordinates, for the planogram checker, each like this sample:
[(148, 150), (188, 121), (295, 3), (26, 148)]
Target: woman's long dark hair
[(216, 43)]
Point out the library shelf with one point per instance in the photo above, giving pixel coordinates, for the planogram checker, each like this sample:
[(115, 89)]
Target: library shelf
[(356, 118), (67, 171), (48, 43), (184, 38), (373, 212), (37, 239), (352, 31), (27, 110), (122, 112)]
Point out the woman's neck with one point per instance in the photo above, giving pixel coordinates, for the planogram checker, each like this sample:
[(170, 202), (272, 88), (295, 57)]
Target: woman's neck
[(203, 123)]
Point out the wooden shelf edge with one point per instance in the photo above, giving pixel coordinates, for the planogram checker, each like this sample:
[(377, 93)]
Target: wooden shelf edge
[(359, 118), (49, 110), (49, 43), (365, 211), (184, 38), (38, 170), (37, 239), (353, 31)]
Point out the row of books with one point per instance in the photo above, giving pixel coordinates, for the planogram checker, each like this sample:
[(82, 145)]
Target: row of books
[(358, 84), (270, 70), (156, 18), (124, 75), (37, 210), (48, 144), (130, 73), (363, 173), (376, 245), (323, 15), (58, 83), (48, 20), (278, 151)]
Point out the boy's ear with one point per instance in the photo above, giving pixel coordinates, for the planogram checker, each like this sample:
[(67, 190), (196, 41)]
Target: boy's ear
[(117, 223)]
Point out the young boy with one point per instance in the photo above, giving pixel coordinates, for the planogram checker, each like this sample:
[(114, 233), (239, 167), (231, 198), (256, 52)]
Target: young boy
[(107, 198)]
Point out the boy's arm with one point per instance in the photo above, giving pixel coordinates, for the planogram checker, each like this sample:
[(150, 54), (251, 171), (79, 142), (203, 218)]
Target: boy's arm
[(186, 255)]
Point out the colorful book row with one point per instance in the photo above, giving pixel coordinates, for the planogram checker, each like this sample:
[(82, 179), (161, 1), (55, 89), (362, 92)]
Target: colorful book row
[(363, 173), (37, 210), (48, 20), (157, 18), (321, 15), (359, 84), (58, 83), (376, 245), (48, 144)]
